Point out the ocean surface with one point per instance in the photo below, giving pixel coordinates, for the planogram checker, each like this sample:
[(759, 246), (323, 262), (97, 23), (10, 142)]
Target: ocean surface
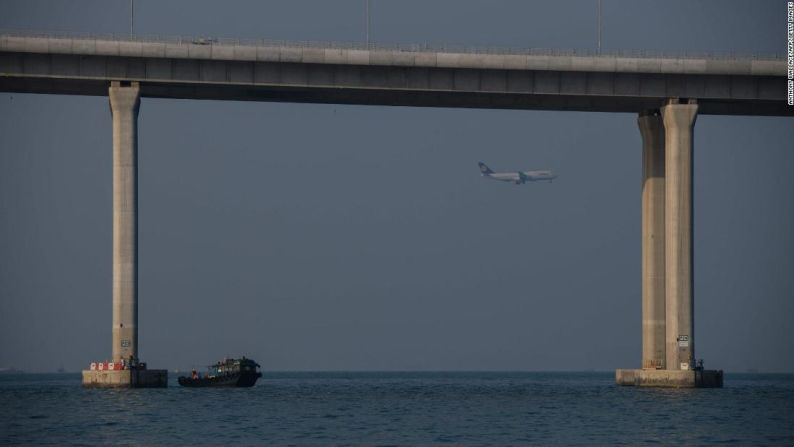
[(399, 409)]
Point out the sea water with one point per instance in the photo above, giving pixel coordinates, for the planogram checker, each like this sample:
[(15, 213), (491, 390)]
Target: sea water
[(399, 408)]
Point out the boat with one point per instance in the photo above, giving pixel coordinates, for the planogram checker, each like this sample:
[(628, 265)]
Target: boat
[(227, 373)]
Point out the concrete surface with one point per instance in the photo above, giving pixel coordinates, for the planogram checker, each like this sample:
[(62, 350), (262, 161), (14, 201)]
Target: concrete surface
[(679, 121), (653, 237), (124, 104), (128, 378), (415, 56), (669, 379), (425, 78)]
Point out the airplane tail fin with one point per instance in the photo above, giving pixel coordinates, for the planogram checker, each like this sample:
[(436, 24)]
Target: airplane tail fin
[(484, 169)]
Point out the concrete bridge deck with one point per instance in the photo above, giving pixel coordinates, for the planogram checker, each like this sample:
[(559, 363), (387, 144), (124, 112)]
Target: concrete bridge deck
[(400, 76)]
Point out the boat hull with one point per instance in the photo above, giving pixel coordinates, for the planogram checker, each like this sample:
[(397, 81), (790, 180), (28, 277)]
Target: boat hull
[(232, 380)]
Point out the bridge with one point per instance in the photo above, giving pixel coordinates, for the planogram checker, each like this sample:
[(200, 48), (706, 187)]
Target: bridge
[(666, 92), (398, 76)]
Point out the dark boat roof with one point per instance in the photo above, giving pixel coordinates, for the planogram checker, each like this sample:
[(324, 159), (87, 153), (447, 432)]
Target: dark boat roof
[(229, 362)]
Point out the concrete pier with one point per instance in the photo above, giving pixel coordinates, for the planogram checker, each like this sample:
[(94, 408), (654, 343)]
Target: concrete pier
[(653, 240), (668, 328), (661, 378), (127, 378), (124, 103), (679, 121)]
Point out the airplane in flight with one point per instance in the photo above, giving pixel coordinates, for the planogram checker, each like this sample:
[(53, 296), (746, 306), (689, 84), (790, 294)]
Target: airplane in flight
[(518, 177)]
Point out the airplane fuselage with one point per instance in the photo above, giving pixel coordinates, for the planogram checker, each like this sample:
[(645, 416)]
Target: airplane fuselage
[(522, 176), (517, 177)]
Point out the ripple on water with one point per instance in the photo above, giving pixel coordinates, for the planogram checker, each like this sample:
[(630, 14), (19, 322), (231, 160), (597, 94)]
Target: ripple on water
[(401, 408)]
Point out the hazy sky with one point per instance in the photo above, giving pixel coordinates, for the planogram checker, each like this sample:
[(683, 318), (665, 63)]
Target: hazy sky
[(331, 237)]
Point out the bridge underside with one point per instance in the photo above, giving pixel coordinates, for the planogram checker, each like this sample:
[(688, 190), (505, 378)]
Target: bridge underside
[(407, 98), (419, 86)]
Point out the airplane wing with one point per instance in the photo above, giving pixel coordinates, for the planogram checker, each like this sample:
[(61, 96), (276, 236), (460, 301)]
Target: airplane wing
[(518, 177), (505, 176)]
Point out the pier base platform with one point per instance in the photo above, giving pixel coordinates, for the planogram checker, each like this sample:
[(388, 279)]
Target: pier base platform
[(128, 378), (662, 378)]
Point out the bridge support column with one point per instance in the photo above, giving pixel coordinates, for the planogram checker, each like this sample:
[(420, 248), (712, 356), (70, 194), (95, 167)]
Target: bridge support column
[(125, 100), (653, 240), (679, 122), (124, 103), (668, 350)]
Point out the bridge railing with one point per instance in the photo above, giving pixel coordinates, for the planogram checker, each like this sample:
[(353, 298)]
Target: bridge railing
[(425, 47)]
